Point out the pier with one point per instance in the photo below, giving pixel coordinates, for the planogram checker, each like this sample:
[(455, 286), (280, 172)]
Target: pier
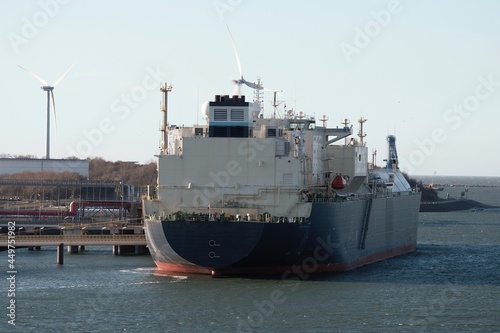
[(122, 243), (73, 240)]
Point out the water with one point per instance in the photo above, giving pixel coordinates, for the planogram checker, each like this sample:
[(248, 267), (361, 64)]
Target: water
[(450, 284)]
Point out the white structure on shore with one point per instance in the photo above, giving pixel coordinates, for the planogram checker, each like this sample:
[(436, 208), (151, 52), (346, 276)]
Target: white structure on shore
[(17, 165)]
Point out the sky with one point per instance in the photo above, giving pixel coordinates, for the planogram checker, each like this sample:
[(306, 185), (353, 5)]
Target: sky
[(425, 71)]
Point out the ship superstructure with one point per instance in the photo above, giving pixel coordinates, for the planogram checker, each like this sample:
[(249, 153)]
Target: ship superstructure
[(248, 194)]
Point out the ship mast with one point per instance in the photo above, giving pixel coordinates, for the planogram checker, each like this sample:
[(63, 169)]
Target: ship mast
[(258, 95), (165, 89), (345, 122), (361, 134), (374, 158), (324, 119), (276, 103)]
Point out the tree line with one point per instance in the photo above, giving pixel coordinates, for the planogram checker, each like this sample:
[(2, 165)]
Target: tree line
[(139, 175), (128, 172)]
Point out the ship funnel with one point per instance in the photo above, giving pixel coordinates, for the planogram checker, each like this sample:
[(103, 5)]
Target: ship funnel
[(392, 157)]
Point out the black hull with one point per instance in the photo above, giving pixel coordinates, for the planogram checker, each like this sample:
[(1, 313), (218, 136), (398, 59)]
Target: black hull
[(203, 247), (452, 205), (338, 236)]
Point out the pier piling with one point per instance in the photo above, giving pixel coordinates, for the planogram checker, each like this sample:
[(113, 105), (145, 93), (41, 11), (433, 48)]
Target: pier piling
[(60, 254), (141, 249), (72, 248)]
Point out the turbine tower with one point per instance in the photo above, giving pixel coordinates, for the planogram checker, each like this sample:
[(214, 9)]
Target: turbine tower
[(50, 95)]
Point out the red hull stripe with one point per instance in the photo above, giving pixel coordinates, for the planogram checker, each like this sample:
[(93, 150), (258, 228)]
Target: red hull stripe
[(170, 269)]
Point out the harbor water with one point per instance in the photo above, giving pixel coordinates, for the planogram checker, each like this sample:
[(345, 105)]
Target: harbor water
[(451, 283)]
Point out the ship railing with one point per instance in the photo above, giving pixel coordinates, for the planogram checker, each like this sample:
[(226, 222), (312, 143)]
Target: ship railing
[(325, 199), (357, 196), (259, 218)]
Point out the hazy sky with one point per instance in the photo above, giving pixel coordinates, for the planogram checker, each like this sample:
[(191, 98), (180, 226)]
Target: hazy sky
[(426, 71)]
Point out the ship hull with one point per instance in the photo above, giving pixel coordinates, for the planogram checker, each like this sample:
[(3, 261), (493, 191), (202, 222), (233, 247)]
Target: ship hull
[(338, 236)]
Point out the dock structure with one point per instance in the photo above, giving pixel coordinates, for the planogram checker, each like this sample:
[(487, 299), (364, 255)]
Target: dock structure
[(122, 244), (48, 200), (74, 240), (71, 213)]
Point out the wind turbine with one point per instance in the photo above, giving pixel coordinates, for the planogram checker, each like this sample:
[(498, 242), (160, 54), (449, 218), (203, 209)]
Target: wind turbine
[(241, 80), (50, 95)]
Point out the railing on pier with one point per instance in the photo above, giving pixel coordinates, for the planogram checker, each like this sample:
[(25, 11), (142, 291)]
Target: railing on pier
[(70, 240)]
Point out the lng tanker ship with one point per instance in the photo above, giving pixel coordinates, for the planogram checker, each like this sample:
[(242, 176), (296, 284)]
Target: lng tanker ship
[(248, 194)]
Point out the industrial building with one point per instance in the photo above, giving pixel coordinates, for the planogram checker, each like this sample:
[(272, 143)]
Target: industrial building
[(17, 165)]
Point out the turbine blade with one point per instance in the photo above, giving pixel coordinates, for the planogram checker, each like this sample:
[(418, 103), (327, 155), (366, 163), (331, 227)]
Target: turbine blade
[(62, 76), (251, 84), (36, 76), (235, 52)]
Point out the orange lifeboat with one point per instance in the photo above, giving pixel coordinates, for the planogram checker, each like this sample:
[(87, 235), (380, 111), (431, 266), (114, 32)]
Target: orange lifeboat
[(338, 183)]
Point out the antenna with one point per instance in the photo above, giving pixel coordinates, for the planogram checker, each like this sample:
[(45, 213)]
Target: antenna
[(324, 119), (50, 95)]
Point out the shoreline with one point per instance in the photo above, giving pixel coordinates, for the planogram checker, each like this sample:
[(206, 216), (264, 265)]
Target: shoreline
[(451, 205)]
